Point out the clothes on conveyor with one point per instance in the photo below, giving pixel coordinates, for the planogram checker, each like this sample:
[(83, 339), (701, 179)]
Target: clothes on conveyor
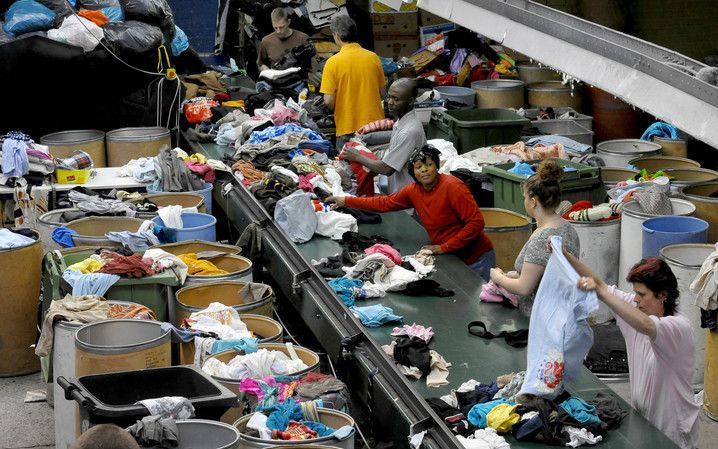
[(375, 315), (490, 292), (484, 439), (517, 338), (329, 267), (296, 217), (559, 333), (608, 409), (414, 331)]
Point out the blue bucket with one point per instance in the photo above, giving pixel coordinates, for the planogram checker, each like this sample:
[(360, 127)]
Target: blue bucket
[(206, 193), (663, 231), (195, 227)]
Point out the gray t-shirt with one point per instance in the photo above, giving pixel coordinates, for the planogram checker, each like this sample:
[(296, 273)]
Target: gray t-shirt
[(406, 137), (535, 251)]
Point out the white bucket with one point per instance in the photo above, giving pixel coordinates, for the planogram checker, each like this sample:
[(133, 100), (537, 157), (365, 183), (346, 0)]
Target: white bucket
[(600, 242), (632, 235), (685, 260)]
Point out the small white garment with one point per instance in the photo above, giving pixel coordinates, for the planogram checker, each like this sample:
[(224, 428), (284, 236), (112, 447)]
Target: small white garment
[(458, 162), (220, 319), (272, 74), (439, 371), (141, 170), (580, 437), (372, 290), (258, 422), (256, 365), (174, 407), (293, 176), (78, 31), (172, 215), (445, 147), (484, 439), (334, 224), (335, 181), (397, 278), (418, 266), (705, 285), (164, 260)]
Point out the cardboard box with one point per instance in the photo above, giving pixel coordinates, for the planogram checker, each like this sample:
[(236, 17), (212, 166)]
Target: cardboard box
[(395, 46), (428, 32), (427, 19), (386, 21)]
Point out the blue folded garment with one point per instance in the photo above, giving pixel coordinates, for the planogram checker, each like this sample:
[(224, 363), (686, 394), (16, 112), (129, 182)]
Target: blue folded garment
[(376, 315), (63, 236), (521, 168)]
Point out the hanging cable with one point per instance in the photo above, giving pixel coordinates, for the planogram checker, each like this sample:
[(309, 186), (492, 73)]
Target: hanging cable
[(291, 337)]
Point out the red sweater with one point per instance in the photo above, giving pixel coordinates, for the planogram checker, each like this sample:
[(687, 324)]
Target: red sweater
[(448, 212)]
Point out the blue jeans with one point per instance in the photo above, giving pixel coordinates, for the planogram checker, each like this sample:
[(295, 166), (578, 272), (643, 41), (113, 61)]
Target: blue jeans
[(484, 264)]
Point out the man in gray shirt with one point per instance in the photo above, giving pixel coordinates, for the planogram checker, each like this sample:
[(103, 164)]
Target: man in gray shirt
[(406, 137)]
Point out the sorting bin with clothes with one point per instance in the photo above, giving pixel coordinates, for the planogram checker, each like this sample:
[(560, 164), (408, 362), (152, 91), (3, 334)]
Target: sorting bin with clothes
[(113, 398), (150, 291)]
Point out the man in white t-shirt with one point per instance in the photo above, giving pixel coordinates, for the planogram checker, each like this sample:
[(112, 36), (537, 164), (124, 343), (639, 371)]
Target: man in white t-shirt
[(659, 342)]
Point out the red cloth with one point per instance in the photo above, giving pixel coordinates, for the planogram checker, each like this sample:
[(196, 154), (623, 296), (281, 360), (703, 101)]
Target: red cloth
[(314, 377), (448, 212), (203, 170), (578, 205), (365, 177), (132, 266)]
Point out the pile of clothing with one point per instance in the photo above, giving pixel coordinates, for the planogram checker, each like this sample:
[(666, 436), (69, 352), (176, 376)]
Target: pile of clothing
[(525, 152), (584, 210), (264, 393), (147, 235), (410, 350), (84, 309), (22, 157), (115, 204), (567, 420), (256, 365), (173, 170), (129, 27), (292, 421)]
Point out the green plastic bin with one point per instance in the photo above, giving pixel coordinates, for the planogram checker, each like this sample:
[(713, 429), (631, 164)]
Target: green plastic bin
[(582, 184), (150, 291), (470, 129)]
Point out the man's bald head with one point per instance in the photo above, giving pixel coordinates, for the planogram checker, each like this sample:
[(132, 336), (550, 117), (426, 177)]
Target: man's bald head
[(401, 96), (105, 436)]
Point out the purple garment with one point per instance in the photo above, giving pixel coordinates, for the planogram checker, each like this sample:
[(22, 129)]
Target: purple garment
[(458, 60)]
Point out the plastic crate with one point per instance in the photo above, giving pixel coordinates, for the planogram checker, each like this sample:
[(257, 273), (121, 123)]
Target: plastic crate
[(150, 291), (469, 129), (565, 128), (113, 397), (582, 119), (582, 184)]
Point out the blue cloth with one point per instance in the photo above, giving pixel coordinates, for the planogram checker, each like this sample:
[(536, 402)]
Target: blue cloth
[(660, 129), (346, 289), (164, 234), (376, 315), (63, 236), (477, 414), (14, 158), (389, 66), (559, 333), (484, 264), (9, 239), (282, 412), (246, 345), (521, 168), (569, 145), (529, 428), (275, 131), (25, 16), (581, 411), (321, 429), (262, 86), (180, 43), (90, 283), (114, 13), (296, 152), (320, 146)]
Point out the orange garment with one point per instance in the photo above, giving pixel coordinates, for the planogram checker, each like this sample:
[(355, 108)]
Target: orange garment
[(98, 17), (134, 311)]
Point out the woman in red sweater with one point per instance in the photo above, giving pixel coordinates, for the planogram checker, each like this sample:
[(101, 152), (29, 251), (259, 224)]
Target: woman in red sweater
[(446, 208)]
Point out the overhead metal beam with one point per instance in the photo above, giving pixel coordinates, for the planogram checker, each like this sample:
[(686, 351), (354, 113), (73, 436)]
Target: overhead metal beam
[(650, 77)]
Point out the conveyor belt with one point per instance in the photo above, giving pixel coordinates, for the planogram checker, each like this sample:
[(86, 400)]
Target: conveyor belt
[(395, 401)]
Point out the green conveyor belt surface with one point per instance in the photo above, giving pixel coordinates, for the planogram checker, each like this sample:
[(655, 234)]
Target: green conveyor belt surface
[(472, 357)]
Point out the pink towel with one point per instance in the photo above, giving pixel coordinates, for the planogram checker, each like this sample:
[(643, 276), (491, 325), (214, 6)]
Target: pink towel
[(386, 250)]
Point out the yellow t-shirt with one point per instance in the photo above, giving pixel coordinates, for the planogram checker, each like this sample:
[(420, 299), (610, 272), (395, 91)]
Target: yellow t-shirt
[(355, 76)]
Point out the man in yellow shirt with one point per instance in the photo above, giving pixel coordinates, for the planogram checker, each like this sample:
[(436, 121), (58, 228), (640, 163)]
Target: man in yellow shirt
[(352, 81)]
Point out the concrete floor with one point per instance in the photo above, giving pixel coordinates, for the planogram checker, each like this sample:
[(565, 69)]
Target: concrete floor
[(32, 425)]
